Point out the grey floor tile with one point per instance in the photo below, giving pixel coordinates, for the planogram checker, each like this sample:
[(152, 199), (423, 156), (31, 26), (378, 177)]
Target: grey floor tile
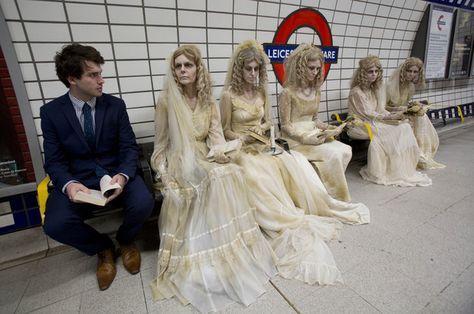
[(334, 299), (384, 287), (461, 291), (293, 289), (11, 294), (440, 305), (347, 254), (455, 224), (18, 246), (53, 285), (464, 207), (67, 306), (125, 295), (17, 273)]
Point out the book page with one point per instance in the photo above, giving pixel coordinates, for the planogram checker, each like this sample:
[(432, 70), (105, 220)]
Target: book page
[(94, 197), (105, 185)]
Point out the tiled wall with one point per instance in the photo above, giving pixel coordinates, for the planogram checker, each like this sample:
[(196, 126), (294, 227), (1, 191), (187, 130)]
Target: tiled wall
[(136, 36)]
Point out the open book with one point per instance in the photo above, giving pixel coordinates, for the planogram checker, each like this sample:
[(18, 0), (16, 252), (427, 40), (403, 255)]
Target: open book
[(98, 197), (262, 138), (227, 147), (328, 132)]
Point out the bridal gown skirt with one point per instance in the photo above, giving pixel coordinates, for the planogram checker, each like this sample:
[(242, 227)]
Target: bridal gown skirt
[(212, 252), (297, 235), (393, 155), (428, 141)]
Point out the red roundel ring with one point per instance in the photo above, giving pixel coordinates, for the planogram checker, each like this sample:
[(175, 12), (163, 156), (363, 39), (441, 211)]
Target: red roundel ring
[(298, 19)]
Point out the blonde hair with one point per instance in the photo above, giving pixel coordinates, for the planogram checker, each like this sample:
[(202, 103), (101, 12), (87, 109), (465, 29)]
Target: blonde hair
[(296, 66), (360, 75), (407, 64), (247, 51), (203, 79)]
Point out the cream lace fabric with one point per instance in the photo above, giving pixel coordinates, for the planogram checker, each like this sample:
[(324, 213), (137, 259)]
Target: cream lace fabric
[(424, 131), (393, 152), (293, 208), (298, 118), (212, 252)]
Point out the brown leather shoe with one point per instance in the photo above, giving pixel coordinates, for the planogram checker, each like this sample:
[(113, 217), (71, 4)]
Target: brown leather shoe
[(106, 269), (130, 258)]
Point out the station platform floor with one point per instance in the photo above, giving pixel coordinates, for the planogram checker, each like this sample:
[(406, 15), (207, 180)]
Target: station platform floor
[(416, 256)]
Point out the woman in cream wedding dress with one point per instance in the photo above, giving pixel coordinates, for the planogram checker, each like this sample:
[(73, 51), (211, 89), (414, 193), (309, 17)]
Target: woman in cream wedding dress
[(393, 152), (400, 89), (300, 125), (212, 252), (292, 205)]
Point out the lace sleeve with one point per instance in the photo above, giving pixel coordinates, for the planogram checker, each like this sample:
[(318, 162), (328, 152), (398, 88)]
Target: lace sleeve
[(158, 158), (285, 116), (226, 116)]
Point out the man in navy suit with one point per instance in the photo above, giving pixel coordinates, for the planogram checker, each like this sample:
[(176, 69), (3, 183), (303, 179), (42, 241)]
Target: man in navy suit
[(87, 134)]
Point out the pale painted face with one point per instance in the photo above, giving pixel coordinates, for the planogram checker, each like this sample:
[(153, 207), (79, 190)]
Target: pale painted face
[(313, 68), (251, 72), (372, 74), (412, 74), (90, 83), (185, 70)]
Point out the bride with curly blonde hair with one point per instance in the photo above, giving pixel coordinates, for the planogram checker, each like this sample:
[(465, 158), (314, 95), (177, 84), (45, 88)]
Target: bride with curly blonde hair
[(293, 208), (393, 151), (300, 125), (401, 87), (212, 252)]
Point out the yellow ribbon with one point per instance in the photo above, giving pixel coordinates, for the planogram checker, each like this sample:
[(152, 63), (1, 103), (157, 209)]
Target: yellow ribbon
[(460, 114), (369, 130), (338, 118), (43, 196)]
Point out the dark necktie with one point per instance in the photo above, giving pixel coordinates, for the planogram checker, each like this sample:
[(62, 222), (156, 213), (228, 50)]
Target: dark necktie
[(88, 126), (90, 135)]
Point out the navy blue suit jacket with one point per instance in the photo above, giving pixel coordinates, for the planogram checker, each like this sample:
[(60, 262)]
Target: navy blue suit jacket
[(67, 154)]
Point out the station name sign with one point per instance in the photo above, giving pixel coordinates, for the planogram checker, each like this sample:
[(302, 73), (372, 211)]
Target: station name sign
[(278, 53)]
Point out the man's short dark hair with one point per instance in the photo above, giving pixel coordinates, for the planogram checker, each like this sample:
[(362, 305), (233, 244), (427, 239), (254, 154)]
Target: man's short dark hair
[(71, 61)]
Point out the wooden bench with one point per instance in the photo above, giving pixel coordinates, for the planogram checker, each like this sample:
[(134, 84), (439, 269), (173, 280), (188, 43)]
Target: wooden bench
[(144, 169)]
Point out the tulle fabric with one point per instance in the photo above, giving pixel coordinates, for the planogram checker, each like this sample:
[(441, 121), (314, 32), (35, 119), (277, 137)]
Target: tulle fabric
[(392, 156), (428, 142)]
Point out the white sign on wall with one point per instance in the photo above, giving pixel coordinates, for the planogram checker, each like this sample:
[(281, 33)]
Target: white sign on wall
[(439, 32)]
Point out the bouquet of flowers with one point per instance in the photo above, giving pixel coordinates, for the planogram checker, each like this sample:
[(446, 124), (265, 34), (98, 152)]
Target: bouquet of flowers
[(418, 108)]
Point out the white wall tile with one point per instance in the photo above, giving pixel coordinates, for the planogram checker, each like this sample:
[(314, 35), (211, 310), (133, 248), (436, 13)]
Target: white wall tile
[(45, 52), (158, 67), (328, 14), (53, 89), (108, 69), (245, 21), (245, 6), (338, 29), (358, 7), (189, 18), (127, 68), (395, 12), (341, 17), (35, 107), (46, 71), (53, 32), (192, 4), (240, 36), (220, 50), (391, 23), (216, 65), (130, 51), (28, 71), (267, 23), (16, 31), (144, 130), (89, 1), (219, 20), (383, 10), (160, 16), (268, 9), (220, 5), (265, 37), (355, 19), (158, 81), (111, 85), (368, 20), (86, 13), (161, 3), (33, 90), (125, 15), (161, 50), (141, 114), (90, 32), (132, 84), (380, 22), (138, 99), (127, 2), (128, 33), (162, 34), (104, 49), (219, 36), (192, 35), (42, 10), (9, 9)]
